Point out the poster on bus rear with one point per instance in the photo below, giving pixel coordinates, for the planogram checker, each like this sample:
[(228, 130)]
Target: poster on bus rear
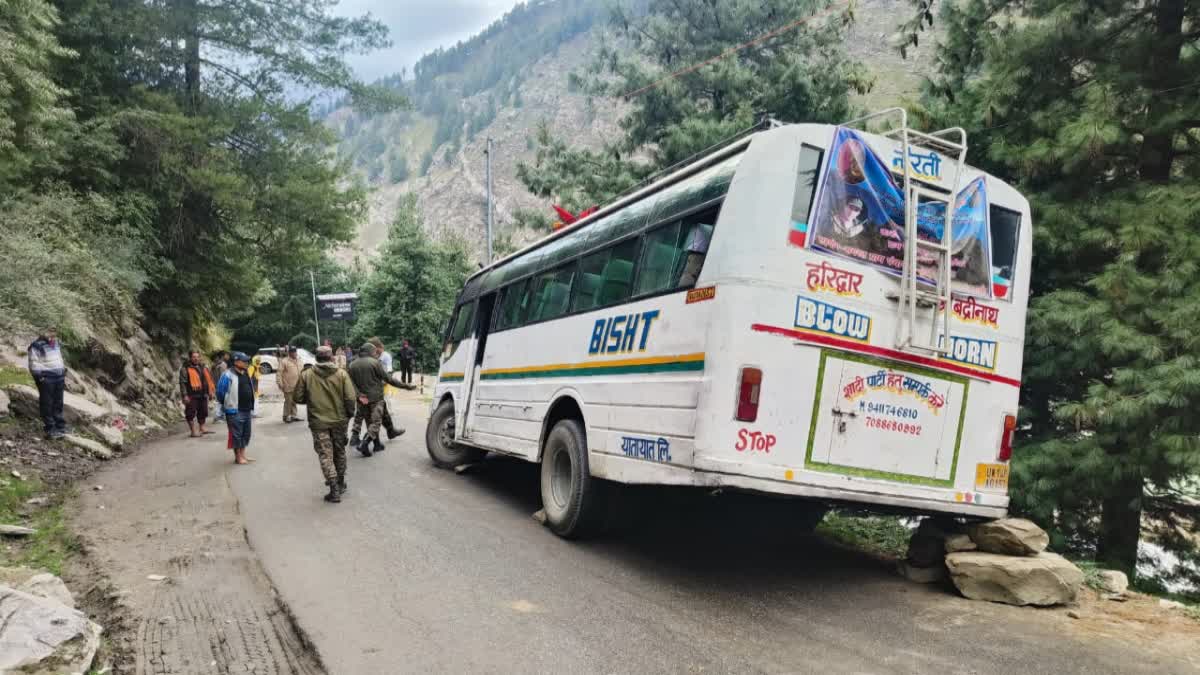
[(860, 215)]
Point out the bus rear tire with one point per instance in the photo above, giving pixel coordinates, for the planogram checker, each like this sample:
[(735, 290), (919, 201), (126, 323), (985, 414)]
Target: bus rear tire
[(572, 499), (439, 440)]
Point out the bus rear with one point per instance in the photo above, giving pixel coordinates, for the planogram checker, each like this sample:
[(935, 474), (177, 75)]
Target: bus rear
[(868, 322)]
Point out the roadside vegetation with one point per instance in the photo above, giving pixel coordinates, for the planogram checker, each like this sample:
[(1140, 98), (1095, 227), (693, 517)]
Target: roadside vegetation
[(27, 501), (883, 536)]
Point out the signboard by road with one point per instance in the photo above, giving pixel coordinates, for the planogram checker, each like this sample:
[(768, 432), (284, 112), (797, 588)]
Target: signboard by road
[(336, 306)]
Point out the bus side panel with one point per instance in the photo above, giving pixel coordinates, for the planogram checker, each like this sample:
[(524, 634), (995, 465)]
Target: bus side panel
[(635, 367)]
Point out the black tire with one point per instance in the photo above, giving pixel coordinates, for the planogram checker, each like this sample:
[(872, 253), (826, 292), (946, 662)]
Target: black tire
[(572, 499), (266, 369), (439, 440)]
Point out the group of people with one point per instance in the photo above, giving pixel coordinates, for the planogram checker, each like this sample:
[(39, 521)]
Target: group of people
[(336, 390)]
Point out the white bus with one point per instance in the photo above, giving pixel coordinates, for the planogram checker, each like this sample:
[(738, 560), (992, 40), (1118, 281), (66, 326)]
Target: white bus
[(776, 317)]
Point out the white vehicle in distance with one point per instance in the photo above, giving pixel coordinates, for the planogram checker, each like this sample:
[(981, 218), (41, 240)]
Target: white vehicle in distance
[(813, 311), (268, 359)]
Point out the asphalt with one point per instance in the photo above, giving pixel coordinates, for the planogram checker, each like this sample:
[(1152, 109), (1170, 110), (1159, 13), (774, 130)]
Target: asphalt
[(426, 571)]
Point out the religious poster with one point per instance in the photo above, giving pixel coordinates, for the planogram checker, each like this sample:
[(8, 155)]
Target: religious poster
[(860, 215)]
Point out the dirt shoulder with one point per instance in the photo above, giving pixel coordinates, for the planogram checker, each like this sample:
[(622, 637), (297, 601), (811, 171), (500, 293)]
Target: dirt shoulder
[(166, 550)]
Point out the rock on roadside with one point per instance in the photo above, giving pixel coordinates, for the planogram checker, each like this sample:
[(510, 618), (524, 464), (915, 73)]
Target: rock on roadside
[(1044, 579), (1113, 581), (959, 542), (88, 445), (3, 404), (16, 531), (77, 411), (40, 635), (36, 582), (1010, 536)]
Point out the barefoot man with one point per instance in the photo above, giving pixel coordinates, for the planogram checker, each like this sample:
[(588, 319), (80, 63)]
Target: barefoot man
[(235, 392), (196, 387)]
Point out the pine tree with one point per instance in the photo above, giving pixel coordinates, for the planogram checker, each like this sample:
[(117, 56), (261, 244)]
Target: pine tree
[(798, 73), (1094, 109), (410, 287)]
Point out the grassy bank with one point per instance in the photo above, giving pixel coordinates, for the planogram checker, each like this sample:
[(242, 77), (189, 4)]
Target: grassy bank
[(53, 543)]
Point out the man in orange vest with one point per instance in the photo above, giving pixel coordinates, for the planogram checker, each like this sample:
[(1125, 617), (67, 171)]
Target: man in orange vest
[(196, 387)]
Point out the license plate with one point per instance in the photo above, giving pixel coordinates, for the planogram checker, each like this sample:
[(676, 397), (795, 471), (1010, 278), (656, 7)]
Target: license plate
[(991, 477)]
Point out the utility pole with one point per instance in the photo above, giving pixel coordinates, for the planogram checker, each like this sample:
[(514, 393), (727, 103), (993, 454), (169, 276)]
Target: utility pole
[(488, 152), (316, 317)]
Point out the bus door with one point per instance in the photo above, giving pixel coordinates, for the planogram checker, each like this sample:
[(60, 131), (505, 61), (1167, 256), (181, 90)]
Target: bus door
[(483, 325)]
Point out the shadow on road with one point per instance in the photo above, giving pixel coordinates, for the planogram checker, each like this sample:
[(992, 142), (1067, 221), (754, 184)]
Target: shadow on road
[(690, 533)]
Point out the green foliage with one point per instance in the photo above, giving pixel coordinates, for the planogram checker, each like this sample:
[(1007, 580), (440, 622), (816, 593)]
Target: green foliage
[(153, 156), (801, 74), (286, 316), (32, 116), (410, 287), (53, 543), (880, 535), (1093, 110)]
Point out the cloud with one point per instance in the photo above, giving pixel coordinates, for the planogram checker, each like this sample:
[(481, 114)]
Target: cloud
[(417, 27)]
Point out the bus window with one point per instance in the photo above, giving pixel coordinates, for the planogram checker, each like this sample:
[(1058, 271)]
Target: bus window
[(806, 188), (462, 322), (1005, 229), (674, 253), (657, 271), (606, 276), (552, 293), (513, 304)]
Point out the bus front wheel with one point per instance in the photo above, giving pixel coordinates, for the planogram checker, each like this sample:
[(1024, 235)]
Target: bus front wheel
[(571, 497), (439, 440)]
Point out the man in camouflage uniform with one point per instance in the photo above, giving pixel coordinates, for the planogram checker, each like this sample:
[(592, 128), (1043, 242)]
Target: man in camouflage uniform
[(329, 394), (369, 377)]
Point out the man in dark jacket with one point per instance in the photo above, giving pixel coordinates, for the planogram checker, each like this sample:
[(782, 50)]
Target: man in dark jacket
[(48, 366), (407, 356), (329, 395), (369, 377), (195, 387)]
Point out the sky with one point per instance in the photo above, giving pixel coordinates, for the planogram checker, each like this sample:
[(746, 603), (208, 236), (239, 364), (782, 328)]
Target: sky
[(417, 27)]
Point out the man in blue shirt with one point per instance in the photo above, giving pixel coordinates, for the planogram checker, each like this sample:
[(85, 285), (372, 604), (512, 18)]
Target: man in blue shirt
[(48, 367), (235, 392)]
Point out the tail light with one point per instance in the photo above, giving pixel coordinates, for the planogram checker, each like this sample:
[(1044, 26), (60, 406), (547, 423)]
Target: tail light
[(749, 386), (1010, 425)]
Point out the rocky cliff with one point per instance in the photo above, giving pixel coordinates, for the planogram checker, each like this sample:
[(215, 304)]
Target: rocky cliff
[(451, 190)]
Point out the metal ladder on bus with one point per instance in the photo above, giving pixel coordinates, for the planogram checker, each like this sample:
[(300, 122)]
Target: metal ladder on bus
[(914, 293)]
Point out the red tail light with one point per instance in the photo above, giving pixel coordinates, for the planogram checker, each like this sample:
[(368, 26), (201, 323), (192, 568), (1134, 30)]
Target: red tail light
[(1010, 425), (749, 385)]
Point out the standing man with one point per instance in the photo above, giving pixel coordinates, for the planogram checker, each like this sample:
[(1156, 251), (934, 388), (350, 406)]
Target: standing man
[(196, 387), (407, 356), (329, 395), (339, 358), (287, 377), (220, 365), (389, 425), (48, 366), (235, 392)]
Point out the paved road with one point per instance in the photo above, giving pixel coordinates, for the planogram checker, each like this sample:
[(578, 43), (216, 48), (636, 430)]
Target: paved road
[(426, 571)]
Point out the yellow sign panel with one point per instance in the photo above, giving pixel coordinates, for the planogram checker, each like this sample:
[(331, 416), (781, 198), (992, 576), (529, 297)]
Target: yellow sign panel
[(991, 477)]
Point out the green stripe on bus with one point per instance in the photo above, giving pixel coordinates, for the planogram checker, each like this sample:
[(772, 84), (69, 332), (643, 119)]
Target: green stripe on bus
[(601, 369)]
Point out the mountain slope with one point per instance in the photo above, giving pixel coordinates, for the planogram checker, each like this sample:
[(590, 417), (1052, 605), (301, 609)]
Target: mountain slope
[(506, 81)]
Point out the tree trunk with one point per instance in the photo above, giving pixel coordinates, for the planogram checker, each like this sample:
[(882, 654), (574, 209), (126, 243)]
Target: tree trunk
[(1121, 526), (1162, 74), (191, 64)]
